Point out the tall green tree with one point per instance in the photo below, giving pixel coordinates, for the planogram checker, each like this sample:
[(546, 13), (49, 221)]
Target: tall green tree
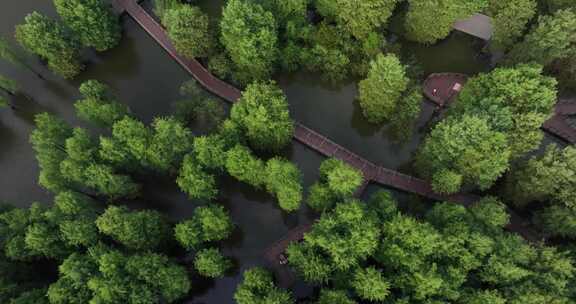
[(370, 285), (195, 181), (258, 287), (51, 41), (245, 167), (339, 240), (250, 36), (284, 180), (263, 114), (358, 17), (515, 101), (188, 28), (48, 141), (138, 230), (92, 21), (208, 224), (510, 19), (463, 150), (338, 181), (380, 93), (211, 263), (552, 38), (430, 21), (99, 105)]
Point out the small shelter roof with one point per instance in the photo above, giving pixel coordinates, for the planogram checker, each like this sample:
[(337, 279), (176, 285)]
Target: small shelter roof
[(477, 25)]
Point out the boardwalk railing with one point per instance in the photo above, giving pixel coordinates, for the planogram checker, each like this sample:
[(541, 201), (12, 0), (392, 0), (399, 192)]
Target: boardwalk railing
[(302, 133)]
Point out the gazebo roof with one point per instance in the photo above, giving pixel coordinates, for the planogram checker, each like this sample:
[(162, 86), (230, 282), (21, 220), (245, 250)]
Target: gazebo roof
[(477, 25)]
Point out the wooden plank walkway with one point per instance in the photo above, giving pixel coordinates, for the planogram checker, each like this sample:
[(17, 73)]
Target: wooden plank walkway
[(302, 133), (438, 88)]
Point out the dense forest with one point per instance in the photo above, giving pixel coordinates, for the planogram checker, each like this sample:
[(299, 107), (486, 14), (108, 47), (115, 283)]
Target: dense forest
[(90, 246)]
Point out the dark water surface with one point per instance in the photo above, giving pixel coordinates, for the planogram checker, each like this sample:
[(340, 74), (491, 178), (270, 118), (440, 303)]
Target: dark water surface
[(147, 80)]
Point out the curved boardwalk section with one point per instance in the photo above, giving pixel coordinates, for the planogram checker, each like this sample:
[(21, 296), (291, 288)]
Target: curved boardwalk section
[(304, 134), (442, 88)]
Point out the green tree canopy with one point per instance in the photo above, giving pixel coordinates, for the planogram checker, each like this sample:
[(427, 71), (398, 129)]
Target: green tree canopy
[(245, 167), (370, 285), (465, 147), (430, 21), (92, 21), (510, 19), (195, 181), (99, 106), (284, 180), (515, 101), (208, 224), (249, 34), (211, 263), (552, 38), (138, 230), (258, 287), (51, 41), (359, 17), (188, 28), (380, 93), (263, 114)]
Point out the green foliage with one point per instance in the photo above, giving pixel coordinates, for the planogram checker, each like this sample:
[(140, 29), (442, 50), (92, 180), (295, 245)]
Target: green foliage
[(84, 169), (359, 17), (446, 181), (258, 287), (188, 28), (195, 181), (109, 276), (343, 238), (515, 101), (334, 297), (380, 92), (134, 146), (510, 19), (263, 114), (92, 21), (466, 147), (320, 198), (550, 177), (430, 21), (245, 167), (197, 107), (211, 263), (284, 180), (341, 178), (249, 34), (370, 285), (406, 112), (138, 230), (558, 220), (555, 5), (210, 223), (51, 41), (48, 141), (99, 105), (552, 38), (210, 151)]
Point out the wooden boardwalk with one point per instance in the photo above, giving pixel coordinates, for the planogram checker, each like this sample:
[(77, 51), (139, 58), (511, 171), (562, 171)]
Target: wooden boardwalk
[(438, 88), (303, 134)]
